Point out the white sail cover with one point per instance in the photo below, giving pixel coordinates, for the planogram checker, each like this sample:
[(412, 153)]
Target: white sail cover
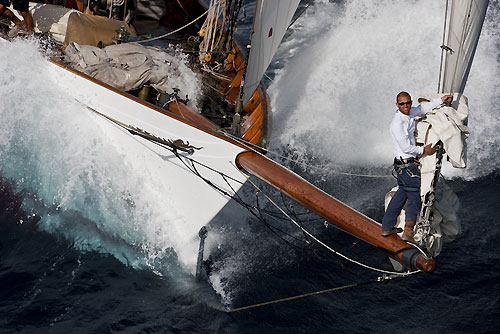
[(126, 66), (271, 21), (464, 27)]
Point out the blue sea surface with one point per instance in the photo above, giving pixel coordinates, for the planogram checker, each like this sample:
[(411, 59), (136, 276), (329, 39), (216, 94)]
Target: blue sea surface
[(65, 265), (49, 287)]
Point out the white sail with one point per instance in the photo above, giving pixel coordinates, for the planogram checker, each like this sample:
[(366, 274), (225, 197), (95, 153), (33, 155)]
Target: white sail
[(464, 27), (272, 18)]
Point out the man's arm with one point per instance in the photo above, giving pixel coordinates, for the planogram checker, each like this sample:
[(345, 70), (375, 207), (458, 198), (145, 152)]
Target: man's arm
[(424, 108)]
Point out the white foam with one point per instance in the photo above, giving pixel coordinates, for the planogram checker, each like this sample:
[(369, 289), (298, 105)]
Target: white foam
[(85, 186), (346, 62), (336, 77)]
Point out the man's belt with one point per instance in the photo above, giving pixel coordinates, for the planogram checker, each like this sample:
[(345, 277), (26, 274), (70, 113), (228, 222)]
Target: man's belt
[(405, 161)]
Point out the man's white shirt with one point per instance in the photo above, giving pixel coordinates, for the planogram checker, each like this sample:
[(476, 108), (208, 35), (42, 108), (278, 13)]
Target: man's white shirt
[(403, 128)]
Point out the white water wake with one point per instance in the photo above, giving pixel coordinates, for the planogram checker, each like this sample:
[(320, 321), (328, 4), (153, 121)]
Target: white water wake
[(346, 62), (83, 185)]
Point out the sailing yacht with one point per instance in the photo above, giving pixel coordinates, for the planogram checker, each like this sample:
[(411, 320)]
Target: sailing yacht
[(203, 163)]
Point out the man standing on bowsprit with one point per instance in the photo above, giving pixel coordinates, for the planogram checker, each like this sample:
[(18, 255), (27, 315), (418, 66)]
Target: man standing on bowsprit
[(406, 164)]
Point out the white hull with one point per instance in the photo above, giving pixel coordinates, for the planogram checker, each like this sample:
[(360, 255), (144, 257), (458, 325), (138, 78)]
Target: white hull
[(194, 201), (188, 198)]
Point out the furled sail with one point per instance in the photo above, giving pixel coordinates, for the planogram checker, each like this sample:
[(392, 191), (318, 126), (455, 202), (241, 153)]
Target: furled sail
[(438, 221), (271, 21), (464, 27)]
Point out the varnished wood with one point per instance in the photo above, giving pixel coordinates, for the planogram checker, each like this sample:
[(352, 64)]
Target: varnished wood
[(338, 213)]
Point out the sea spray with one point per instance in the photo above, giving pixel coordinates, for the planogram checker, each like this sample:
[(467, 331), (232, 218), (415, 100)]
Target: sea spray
[(83, 186), (335, 97), (335, 79)]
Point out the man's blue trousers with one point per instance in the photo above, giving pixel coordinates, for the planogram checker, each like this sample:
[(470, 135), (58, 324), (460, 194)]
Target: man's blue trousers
[(408, 176)]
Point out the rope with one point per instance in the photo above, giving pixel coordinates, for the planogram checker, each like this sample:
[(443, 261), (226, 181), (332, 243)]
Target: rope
[(442, 47), (172, 32), (210, 26), (328, 247), (417, 247), (461, 48), (302, 163), (178, 108), (207, 69), (295, 297), (297, 161), (173, 149), (271, 227), (378, 280), (298, 16)]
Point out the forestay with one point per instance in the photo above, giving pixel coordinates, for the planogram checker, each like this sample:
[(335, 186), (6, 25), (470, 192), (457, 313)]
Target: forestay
[(272, 18), (464, 27)]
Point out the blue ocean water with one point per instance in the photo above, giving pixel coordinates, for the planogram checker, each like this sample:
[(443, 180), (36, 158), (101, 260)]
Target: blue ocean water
[(66, 265)]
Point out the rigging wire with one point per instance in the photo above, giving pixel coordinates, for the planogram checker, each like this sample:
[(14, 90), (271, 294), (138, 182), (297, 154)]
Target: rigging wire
[(301, 162), (443, 46), (167, 145), (328, 247), (238, 199), (298, 16), (192, 168), (266, 223), (378, 280), (172, 32)]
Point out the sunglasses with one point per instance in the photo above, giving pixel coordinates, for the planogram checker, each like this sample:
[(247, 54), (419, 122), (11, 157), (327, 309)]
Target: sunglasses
[(403, 103)]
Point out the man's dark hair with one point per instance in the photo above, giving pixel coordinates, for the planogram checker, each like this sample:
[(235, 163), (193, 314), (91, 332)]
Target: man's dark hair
[(402, 94)]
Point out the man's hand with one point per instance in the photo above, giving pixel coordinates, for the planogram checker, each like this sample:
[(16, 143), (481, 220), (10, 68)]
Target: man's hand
[(447, 99), (429, 150)]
